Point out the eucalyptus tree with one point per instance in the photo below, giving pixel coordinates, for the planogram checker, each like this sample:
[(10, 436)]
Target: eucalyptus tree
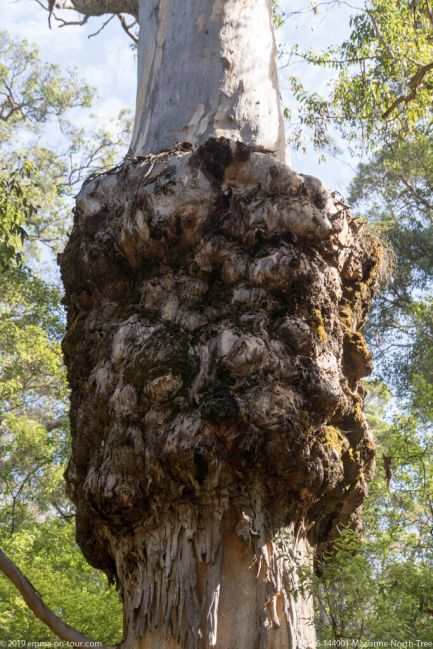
[(381, 92), (214, 353)]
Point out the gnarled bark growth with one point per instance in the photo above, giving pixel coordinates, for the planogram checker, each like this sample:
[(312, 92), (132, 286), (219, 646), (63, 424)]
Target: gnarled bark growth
[(214, 303)]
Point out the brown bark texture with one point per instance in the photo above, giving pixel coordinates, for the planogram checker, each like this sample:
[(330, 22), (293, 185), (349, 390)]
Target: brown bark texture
[(215, 299)]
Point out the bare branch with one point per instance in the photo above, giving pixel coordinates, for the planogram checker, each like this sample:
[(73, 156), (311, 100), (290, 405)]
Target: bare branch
[(428, 611), (18, 493), (418, 196), (127, 28), (70, 23), (38, 608), (429, 12), (66, 517), (386, 46), (104, 24), (89, 8)]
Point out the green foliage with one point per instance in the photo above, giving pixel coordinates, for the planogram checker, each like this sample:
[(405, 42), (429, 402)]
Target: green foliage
[(380, 587), (46, 553), (58, 173), (370, 603), (384, 76), (34, 92), (395, 192), (383, 587), (35, 514), (31, 364), (277, 14), (35, 100), (16, 208)]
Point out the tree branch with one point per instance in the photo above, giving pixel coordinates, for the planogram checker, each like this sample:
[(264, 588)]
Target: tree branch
[(418, 196), (97, 7), (414, 83), (127, 28), (429, 611), (89, 8), (38, 608), (429, 12), (103, 26), (18, 493), (55, 423)]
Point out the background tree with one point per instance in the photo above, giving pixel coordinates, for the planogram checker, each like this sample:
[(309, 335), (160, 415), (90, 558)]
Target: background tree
[(382, 91), (15, 209)]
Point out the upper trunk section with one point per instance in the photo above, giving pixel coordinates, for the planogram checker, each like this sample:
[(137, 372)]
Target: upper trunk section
[(207, 68)]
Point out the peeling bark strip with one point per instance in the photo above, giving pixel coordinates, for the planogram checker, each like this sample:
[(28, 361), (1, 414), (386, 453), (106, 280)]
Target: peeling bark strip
[(214, 303), (207, 68)]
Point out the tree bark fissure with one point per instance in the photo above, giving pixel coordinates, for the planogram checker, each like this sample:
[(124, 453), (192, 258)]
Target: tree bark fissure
[(214, 303)]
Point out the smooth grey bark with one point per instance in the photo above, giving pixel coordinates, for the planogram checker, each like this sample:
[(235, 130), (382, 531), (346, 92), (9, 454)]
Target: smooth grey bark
[(207, 68)]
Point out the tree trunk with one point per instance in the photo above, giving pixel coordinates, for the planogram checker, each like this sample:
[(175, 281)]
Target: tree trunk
[(246, 607), (207, 68), (214, 302)]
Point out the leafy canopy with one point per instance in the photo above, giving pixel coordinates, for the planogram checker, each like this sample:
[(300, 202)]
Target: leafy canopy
[(16, 208), (384, 76)]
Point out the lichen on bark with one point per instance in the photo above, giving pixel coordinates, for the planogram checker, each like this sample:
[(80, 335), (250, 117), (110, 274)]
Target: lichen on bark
[(214, 302)]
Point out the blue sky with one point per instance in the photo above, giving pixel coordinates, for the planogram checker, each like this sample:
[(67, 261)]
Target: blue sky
[(107, 62)]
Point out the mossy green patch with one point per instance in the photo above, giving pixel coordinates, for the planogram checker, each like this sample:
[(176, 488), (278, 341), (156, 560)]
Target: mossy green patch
[(318, 325), (345, 313), (335, 438)]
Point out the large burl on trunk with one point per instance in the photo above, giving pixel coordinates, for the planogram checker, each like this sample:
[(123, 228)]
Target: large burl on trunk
[(214, 303)]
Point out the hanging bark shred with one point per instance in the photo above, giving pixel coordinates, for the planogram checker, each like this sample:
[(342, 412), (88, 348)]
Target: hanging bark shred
[(216, 401)]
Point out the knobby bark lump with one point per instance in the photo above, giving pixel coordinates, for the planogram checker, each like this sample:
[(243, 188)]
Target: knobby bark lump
[(214, 353)]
